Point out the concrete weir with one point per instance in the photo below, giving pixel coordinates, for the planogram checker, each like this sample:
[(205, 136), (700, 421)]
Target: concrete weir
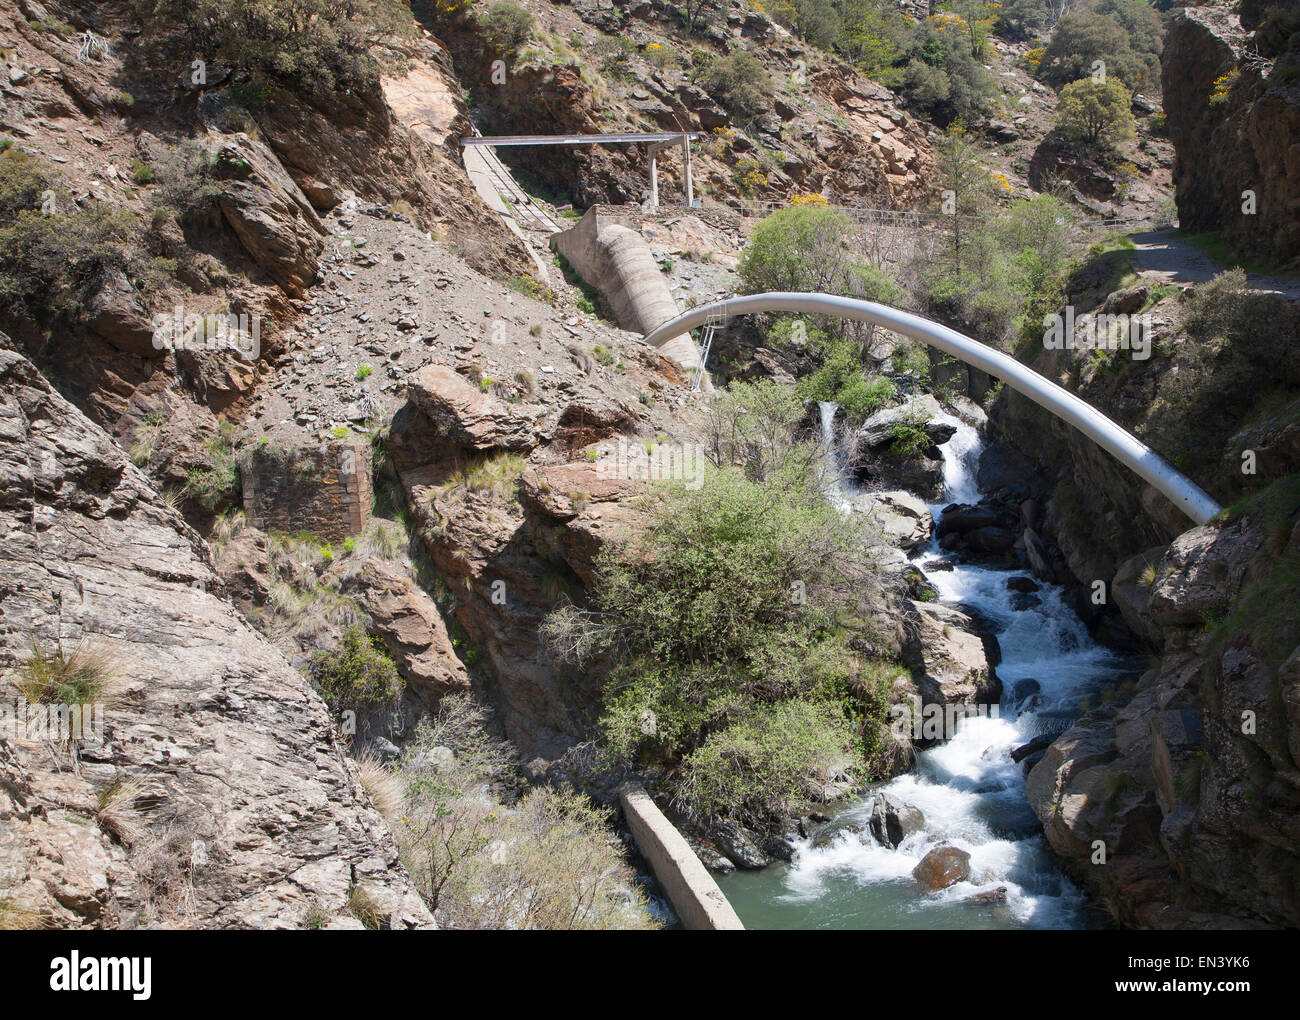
[(695, 897), (615, 259)]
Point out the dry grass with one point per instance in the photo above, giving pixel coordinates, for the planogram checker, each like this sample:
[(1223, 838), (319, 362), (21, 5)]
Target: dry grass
[(15, 917), (87, 675), (366, 907), (116, 811), (384, 786)]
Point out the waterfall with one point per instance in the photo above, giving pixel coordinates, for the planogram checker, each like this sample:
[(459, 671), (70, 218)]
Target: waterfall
[(838, 491), (971, 794)]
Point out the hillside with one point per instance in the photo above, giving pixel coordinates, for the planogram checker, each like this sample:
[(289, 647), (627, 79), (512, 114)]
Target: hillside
[(342, 479)]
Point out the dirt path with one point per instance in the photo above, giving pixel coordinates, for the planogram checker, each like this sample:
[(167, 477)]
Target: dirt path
[(1161, 253)]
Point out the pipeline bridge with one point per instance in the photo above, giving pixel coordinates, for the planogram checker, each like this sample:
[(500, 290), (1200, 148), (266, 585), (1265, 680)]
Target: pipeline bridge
[(1126, 448)]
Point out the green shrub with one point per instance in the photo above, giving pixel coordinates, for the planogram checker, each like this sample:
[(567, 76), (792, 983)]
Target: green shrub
[(728, 603), (364, 371), (739, 83), (142, 172), (774, 761), (358, 674), (805, 248), (51, 263), (508, 26)]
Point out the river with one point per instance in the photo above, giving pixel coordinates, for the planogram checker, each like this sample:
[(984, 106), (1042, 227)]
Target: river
[(971, 794)]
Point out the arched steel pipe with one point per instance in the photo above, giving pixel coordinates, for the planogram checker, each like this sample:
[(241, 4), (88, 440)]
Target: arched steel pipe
[(1185, 494)]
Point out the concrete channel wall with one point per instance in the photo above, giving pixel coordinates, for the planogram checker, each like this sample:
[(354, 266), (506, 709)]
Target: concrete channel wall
[(695, 897), (615, 259)]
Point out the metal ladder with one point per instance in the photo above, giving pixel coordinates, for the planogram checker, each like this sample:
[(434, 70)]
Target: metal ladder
[(714, 324)]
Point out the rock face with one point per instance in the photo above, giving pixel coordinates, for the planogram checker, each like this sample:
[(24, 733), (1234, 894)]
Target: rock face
[(1191, 784), (1244, 141), (411, 628), (220, 795), (941, 867)]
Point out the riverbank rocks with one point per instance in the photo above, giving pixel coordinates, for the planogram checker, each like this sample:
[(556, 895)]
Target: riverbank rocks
[(882, 463), (739, 844), (904, 518), (893, 821), (983, 529), (952, 660), (943, 866)]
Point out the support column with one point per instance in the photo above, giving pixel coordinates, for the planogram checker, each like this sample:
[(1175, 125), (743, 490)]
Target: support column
[(686, 162), (653, 150)]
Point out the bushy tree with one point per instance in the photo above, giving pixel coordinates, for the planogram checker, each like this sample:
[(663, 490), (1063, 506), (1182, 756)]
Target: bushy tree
[(805, 248), (814, 21), (1020, 19), (940, 75), (1096, 112), (739, 82), (1123, 36), (726, 606), (872, 36), (508, 26), (317, 46)]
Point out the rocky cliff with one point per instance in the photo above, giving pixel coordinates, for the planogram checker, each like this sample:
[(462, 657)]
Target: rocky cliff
[(1232, 100), (220, 794)]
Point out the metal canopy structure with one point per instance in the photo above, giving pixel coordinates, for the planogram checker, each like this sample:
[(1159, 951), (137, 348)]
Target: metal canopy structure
[(656, 140), (1185, 494)]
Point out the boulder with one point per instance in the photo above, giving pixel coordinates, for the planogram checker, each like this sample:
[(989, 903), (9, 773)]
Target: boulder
[(878, 430), (893, 821), (943, 866), (739, 844), (1022, 584), (904, 518), (273, 219), (472, 419), (409, 624), (953, 661)]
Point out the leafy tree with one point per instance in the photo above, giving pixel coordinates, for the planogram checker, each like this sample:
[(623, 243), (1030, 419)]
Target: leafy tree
[(940, 77), (1123, 35), (1021, 19), (872, 35), (814, 21), (1096, 112), (805, 248)]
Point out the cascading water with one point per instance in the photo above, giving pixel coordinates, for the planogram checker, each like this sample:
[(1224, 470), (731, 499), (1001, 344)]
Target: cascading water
[(837, 490), (971, 793)]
